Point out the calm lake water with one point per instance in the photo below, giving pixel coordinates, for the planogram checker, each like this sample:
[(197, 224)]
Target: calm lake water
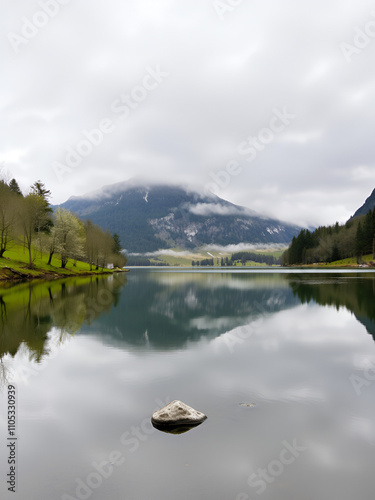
[(282, 363)]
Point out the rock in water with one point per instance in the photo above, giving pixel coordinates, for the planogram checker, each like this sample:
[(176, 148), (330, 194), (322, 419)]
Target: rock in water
[(177, 417)]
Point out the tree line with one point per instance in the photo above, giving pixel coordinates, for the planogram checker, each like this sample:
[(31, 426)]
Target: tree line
[(355, 238), (241, 257), (30, 221), (135, 260), (244, 257), (204, 262)]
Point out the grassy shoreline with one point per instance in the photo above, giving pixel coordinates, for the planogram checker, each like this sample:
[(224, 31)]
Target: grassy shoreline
[(349, 263), (14, 267)]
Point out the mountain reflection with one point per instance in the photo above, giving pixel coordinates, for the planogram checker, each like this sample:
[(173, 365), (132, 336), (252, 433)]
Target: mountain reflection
[(166, 310)]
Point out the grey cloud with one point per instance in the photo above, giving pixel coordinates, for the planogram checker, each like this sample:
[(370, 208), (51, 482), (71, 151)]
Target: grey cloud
[(225, 78)]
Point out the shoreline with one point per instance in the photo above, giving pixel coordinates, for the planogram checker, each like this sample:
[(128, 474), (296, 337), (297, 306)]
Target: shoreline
[(10, 275)]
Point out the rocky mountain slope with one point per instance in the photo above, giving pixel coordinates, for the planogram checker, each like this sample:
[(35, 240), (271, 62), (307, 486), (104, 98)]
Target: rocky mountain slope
[(152, 217), (369, 204)]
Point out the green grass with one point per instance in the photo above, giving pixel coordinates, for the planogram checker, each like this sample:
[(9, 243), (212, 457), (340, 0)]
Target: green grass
[(274, 253), (352, 261), (40, 289), (17, 258)]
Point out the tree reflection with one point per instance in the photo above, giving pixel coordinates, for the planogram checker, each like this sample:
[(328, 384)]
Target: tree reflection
[(164, 310), (169, 310), (161, 310), (354, 292), (28, 312)]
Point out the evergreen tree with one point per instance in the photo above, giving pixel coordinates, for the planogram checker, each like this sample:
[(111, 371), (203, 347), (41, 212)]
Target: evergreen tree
[(44, 223), (359, 241), (335, 253), (14, 187), (116, 244), (368, 233)]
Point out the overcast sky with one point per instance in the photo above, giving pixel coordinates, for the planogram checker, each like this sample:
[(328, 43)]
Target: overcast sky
[(280, 95)]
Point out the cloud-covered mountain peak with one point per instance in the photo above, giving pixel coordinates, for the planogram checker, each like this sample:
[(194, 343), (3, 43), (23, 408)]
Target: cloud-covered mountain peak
[(151, 216)]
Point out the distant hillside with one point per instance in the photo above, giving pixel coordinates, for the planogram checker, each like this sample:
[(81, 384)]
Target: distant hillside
[(369, 204), (356, 238), (149, 218)]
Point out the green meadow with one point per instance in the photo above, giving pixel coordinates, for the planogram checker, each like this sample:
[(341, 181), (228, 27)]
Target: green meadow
[(14, 264)]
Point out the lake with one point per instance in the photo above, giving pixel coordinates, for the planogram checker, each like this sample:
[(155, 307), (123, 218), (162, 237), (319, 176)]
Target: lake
[(281, 361)]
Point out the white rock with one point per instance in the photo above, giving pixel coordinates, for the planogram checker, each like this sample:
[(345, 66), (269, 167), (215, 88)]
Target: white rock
[(177, 413)]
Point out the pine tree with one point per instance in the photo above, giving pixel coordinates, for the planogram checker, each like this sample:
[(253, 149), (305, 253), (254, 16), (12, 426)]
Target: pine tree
[(335, 253), (359, 241), (14, 187), (44, 223), (116, 244), (368, 233)]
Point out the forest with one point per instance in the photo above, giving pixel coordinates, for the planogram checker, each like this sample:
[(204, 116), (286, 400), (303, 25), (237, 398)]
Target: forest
[(355, 238), (28, 221)]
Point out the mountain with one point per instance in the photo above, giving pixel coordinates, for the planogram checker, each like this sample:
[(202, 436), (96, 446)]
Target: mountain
[(152, 217), (369, 204)]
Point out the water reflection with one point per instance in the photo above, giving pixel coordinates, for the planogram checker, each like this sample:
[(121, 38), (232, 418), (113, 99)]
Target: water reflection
[(291, 383), (180, 429), (170, 310), (165, 311), (355, 293), (28, 312)]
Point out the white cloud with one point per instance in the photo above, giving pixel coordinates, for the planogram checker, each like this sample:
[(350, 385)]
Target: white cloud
[(170, 253), (206, 209), (241, 247)]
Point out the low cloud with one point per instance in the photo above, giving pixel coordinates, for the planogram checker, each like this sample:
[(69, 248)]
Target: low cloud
[(170, 253), (242, 247), (206, 209)]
